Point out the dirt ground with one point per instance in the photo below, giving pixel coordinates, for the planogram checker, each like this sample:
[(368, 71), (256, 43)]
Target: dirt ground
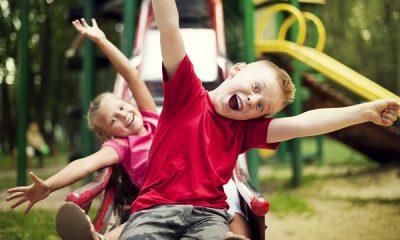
[(347, 204), (362, 205)]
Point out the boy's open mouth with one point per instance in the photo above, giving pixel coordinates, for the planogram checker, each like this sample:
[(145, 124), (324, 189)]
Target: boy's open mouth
[(235, 103)]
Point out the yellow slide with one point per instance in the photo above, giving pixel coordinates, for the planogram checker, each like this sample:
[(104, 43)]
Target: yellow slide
[(328, 66)]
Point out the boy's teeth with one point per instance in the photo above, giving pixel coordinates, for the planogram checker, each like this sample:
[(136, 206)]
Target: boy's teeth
[(239, 103)]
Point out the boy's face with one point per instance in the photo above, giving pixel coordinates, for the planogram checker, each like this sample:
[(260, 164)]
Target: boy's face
[(119, 118), (251, 91)]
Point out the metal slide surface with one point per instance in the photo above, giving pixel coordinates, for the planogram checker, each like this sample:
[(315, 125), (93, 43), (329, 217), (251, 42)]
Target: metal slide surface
[(377, 142)]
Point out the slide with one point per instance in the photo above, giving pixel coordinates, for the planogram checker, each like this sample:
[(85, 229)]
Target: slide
[(328, 66), (378, 143)]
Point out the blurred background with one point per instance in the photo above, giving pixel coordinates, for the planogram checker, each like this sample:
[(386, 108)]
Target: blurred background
[(362, 34)]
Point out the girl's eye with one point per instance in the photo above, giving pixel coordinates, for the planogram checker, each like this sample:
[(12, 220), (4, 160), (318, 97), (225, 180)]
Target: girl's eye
[(113, 121), (256, 87), (121, 108)]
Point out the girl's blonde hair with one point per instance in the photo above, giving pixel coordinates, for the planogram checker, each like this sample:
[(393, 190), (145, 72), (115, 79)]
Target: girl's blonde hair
[(93, 114)]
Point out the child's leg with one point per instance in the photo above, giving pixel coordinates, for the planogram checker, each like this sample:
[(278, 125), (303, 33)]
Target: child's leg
[(115, 233), (238, 224), (159, 222), (73, 223), (205, 223)]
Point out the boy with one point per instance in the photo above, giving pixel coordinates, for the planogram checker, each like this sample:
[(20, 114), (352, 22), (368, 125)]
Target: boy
[(200, 134)]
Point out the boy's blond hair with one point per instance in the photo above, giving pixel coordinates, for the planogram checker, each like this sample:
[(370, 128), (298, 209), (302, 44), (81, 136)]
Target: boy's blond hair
[(285, 82)]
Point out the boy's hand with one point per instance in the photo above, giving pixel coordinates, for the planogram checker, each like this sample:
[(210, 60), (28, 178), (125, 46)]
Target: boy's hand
[(384, 111), (32, 193), (94, 33)]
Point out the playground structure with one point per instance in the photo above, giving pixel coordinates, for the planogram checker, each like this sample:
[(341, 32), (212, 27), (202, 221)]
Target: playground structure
[(383, 147), (374, 141)]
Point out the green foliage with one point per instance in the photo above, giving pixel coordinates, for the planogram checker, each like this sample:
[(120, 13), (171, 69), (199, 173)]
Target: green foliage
[(365, 35)]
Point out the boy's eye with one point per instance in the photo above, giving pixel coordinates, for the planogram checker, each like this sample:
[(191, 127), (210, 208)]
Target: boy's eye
[(260, 107)]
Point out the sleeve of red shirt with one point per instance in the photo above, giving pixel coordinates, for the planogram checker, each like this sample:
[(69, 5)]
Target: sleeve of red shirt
[(256, 131), (183, 88)]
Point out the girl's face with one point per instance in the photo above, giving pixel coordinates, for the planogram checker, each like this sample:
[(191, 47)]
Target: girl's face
[(119, 118)]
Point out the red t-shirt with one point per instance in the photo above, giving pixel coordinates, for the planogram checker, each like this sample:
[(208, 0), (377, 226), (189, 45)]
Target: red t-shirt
[(194, 150)]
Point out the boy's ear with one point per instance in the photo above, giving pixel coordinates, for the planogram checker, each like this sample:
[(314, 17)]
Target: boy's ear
[(236, 68)]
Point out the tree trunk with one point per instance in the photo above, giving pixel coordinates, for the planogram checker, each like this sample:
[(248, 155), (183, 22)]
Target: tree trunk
[(6, 136)]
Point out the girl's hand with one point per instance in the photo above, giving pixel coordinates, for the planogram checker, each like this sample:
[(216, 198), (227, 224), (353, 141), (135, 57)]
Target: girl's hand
[(384, 112), (33, 193), (94, 33)]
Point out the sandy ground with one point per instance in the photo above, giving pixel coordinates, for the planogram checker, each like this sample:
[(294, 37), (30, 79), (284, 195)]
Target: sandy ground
[(356, 205), (363, 205)]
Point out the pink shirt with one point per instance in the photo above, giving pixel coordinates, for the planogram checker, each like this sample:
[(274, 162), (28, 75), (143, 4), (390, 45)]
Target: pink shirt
[(133, 151), (194, 149)]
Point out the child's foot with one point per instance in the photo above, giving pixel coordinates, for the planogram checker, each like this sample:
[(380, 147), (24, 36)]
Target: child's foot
[(73, 224), (232, 236)]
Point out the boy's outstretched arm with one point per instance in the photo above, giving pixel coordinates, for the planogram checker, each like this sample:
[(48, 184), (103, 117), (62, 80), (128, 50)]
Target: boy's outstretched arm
[(138, 88), (73, 172), (320, 121), (172, 46)]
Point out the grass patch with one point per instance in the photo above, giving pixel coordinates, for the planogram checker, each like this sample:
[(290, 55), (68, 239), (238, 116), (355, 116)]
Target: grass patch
[(335, 153), (7, 182), (38, 224), (283, 202), (9, 162)]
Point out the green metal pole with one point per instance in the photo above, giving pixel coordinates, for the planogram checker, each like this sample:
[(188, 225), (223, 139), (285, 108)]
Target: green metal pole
[(87, 83), (282, 153), (22, 93), (295, 110), (248, 29), (253, 160), (295, 144), (319, 139), (129, 27)]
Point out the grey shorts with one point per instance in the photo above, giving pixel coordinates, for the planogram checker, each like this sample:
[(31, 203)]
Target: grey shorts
[(176, 222)]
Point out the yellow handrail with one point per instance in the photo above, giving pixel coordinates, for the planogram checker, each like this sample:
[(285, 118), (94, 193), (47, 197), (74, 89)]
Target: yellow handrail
[(301, 37), (308, 16)]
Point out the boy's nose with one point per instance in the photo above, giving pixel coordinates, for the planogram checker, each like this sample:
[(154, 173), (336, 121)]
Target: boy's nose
[(251, 100)]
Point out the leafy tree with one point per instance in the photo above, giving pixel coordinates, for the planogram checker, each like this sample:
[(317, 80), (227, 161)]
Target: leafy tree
[(362, 35)]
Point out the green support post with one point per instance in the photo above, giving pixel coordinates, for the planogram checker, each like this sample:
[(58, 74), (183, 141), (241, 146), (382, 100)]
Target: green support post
[(319, 139), (248, 29), (253, 160), (294, 145), (282, 152), (295, 109), (87, 83), (129, 27), (22, 93)]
